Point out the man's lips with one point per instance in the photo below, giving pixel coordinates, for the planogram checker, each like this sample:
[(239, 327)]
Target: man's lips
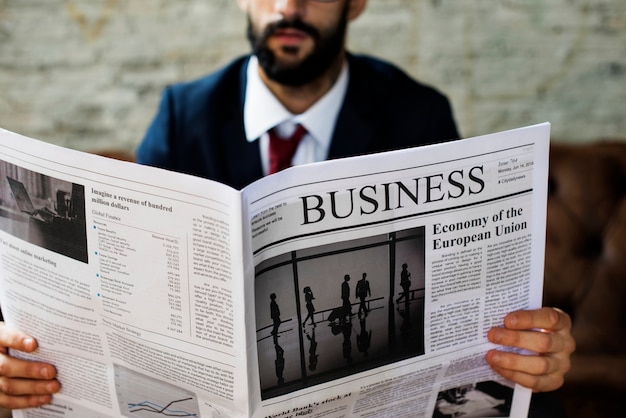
[(290, 36)]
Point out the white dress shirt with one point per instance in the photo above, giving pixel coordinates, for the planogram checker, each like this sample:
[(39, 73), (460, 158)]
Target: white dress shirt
[(262, 112)]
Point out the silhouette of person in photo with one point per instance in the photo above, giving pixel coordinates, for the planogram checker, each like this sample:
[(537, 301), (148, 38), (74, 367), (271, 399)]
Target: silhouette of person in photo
[(275, 315), (312, 350), (364, 338), (362, 292), (308, 298), (345, 297), (279, 363), (346, 346), (405, 283)]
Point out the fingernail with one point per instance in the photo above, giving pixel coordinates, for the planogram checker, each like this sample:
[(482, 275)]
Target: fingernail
[(45, 372), (51, 387), (496, 336), (29, 343), (512, 319)]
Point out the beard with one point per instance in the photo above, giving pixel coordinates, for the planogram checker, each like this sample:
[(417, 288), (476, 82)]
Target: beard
[(327, 48)]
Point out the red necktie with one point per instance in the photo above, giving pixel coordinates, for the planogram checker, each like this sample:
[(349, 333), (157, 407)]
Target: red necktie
[(283, 149)]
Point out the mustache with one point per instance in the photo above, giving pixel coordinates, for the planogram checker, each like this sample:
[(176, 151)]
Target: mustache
[(296, 23)]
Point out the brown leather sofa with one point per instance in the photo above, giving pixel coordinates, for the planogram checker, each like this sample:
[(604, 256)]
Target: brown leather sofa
[(585, 271)]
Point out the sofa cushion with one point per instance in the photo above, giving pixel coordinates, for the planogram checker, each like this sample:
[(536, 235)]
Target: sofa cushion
[(585, 270)]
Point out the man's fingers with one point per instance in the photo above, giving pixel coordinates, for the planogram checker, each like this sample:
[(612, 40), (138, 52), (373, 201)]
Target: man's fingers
[(12, 338), (545, 332), (544, 383), (536, 341), (539, 373), (19, 402), (26, 384), (18, 393), (552, 319), (13, 367), (528, 364), (19, 387)]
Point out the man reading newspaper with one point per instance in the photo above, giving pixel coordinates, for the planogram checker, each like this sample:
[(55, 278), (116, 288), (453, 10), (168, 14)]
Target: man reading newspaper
[(301, 78)]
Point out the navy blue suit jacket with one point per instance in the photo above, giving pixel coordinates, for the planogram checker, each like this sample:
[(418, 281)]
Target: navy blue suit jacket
[(199, 125)]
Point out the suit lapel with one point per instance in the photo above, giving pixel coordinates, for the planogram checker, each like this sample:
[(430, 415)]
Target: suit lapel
[(242, 159), (353, 133), (355, 127)]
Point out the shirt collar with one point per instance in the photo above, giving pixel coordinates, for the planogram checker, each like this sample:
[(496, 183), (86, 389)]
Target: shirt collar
[(262, 111)]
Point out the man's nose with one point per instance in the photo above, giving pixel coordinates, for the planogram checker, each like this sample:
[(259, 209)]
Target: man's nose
[(290, 9)]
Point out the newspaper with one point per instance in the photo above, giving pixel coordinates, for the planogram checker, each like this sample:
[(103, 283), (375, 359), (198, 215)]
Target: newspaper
[(359, 287)]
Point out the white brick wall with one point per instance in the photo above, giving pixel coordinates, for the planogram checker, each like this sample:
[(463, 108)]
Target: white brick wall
[(88, 73)]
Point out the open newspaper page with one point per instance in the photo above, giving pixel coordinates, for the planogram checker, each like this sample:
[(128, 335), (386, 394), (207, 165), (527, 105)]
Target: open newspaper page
[(373, 283), (377, 278), (130, 278)]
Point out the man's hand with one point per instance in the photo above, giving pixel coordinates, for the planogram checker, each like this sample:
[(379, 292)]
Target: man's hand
[(23, 384), (546, 332)]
